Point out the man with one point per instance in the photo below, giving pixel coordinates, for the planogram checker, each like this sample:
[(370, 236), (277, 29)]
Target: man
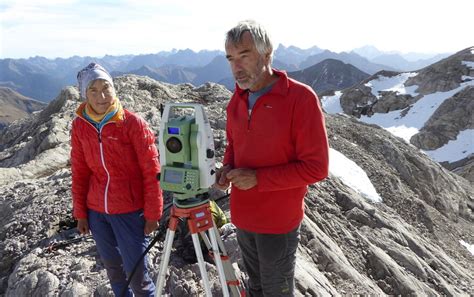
[(276, 146)]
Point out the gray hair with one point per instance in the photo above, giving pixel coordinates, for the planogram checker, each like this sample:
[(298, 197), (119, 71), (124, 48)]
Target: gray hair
[(260, 36)]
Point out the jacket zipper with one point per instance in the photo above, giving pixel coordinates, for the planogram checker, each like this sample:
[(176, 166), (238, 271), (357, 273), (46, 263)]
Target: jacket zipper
[(106, 171), (102, 159), (249, 119)]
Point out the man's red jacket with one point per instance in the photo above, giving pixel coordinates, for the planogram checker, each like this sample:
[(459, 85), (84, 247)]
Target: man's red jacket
[(285, 141), (115, 171)]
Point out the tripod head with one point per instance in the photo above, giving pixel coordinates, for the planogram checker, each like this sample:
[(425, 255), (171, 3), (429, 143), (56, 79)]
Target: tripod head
[(187, 153)]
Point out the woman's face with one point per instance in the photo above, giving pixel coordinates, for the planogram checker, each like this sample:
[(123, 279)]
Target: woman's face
[(100, 95)]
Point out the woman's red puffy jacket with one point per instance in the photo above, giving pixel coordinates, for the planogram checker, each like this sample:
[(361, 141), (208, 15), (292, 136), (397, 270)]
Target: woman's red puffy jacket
[(114, 171)]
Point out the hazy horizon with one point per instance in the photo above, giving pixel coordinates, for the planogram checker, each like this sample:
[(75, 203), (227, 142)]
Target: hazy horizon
[(175, 50)]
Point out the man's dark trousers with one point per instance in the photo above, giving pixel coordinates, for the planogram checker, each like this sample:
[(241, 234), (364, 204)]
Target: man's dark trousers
[(270, 261)]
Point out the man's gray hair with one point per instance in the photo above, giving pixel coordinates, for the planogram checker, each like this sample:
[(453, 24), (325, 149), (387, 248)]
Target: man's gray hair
[(259, 35)]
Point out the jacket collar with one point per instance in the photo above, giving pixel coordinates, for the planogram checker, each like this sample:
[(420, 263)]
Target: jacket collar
[(118, 117), (279, 88)]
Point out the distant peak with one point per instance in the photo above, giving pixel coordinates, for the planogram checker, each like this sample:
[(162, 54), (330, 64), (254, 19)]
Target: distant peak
[(188, 50)]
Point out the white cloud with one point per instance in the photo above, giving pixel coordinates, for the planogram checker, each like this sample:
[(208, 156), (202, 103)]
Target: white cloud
[(160, 25)]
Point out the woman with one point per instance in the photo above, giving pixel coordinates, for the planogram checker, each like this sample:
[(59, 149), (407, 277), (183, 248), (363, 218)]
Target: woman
[(115, 192)]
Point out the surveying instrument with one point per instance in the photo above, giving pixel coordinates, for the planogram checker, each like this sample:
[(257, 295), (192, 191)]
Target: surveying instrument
[(187, 162)]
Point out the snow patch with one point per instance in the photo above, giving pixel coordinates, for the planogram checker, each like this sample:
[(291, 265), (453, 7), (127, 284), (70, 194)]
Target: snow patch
[(469, 247), (395, 84), (352, 175), (403, 132), (455, 150), (469, 64), (416, 117), (332, 104)]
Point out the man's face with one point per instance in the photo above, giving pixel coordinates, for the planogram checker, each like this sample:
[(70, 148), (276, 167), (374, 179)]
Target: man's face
[(100, 95), (246, 63)]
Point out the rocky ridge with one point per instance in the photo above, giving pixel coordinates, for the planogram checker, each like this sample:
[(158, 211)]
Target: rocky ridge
[(16, 106), (409, 244), (452, 77)]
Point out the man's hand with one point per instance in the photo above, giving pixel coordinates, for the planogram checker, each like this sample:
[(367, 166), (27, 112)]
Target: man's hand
[(150, 226), (222, 183), (83, 226), (243, 179)]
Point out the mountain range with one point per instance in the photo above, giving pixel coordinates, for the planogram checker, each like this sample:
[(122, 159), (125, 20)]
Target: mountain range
[(325, 76), (42, 78), (373, 98), (397, 60)]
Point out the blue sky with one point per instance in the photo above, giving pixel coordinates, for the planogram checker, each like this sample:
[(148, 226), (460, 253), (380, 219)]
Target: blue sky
[(63, 28)]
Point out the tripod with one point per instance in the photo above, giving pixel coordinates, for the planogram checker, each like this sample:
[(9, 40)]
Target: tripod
[(199, 219)]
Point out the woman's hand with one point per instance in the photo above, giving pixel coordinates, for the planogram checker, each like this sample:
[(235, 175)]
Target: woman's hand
[(150, 226), (83, 226)]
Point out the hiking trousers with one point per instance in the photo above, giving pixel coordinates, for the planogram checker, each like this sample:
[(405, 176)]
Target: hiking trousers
[(270, 261), (120, 241)]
